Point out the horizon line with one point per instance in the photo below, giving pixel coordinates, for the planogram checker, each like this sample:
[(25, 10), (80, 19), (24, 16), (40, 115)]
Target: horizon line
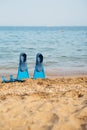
[(43, 26)]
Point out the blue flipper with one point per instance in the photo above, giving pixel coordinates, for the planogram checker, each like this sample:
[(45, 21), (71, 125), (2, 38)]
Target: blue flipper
[(10, 80), (39, 68), (22, 69)]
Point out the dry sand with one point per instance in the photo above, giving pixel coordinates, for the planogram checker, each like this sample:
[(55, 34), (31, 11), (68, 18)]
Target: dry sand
[(48, 104)]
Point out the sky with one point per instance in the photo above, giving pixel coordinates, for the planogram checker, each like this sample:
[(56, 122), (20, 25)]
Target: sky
[(43, 12)]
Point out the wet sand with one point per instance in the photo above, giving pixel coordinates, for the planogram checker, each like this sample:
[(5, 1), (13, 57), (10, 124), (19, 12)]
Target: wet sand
[(44, 104), (50, 72)]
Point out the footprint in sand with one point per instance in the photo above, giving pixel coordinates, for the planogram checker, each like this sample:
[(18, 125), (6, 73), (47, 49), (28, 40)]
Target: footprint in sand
[(53, 120), (49, 127), (84, 102), (84, 126)]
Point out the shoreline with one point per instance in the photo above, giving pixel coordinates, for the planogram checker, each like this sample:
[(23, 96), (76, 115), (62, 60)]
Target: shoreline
[(49, 72)]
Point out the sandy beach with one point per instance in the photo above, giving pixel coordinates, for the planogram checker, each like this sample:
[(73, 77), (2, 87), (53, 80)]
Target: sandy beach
[(44, 104)]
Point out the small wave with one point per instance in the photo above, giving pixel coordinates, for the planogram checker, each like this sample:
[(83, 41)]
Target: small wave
[(79, 49)]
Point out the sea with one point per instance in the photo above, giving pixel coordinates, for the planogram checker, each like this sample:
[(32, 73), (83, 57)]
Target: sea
[(64, 49)]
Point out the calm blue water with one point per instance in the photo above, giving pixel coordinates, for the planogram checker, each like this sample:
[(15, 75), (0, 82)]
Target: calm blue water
[(62, 47)]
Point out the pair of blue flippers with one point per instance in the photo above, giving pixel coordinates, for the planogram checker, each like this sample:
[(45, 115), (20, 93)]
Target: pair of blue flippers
[(23, 69)]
